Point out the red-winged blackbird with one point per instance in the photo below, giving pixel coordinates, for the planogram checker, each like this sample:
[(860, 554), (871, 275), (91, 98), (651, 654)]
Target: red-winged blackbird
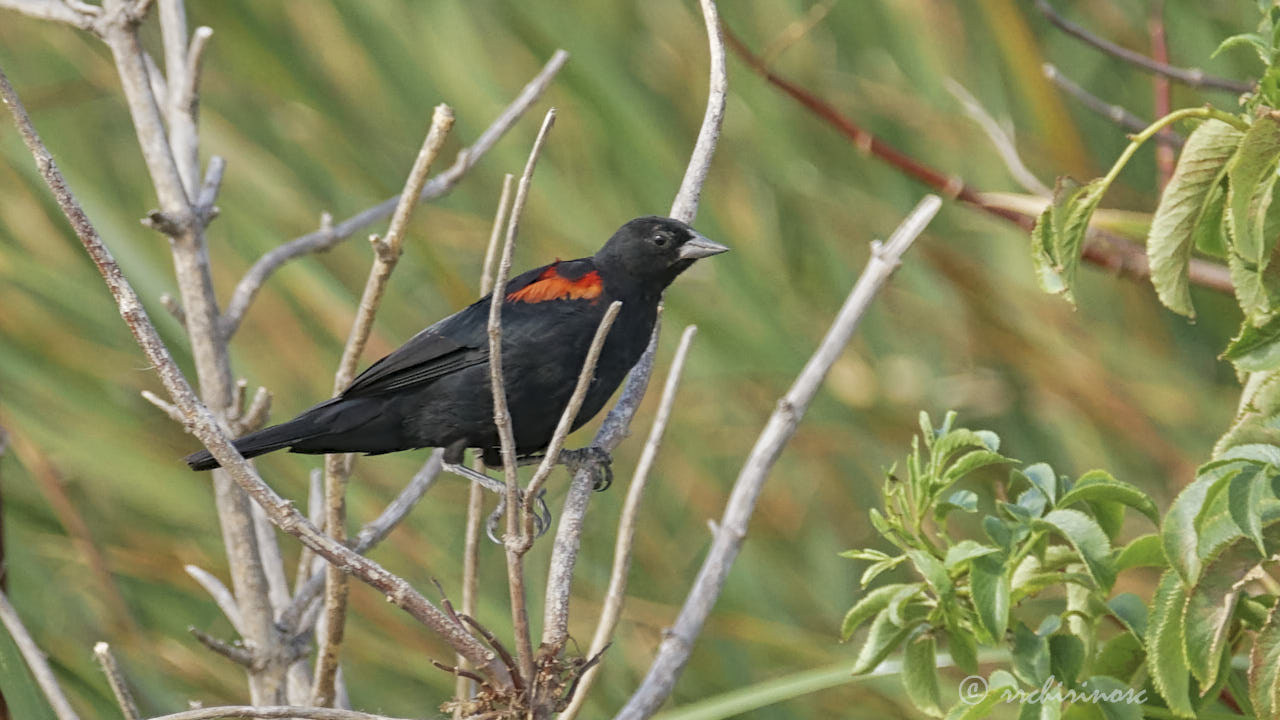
[(434, 391)]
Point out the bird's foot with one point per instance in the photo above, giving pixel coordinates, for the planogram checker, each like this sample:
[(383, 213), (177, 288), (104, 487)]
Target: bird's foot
[(595, 459), (541, 517), (486, 482)]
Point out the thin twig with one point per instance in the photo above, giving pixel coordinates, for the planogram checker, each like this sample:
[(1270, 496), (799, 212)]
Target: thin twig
[(222, 597), (552, 453), (1115, 113), (165, 406), (237, 654), (1121, 256), (206, 428), (678, 641), (326, 238), (502, 416), (174, 307), (30, 651), (267, 712), (616, 425), (616, 594), (1160, 87), (1193, 77), (115, 678), (1003, 141), (475, 496), (255, 416), (337, 468), (55, 10)]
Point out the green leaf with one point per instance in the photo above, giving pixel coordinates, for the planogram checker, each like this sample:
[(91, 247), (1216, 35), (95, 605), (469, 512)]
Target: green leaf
[(933, 572), (17, 686), (1143, 551), (885, 636), (1210, 235), (1211, 605), (1042, 476), (978, 698), (1131, 611), (963, 648), (990, 588), (1059, 234), (1184, 206), (1098, 485), (965, 500), (1066, 658), (1179, 533), (875, 569), (966, 550), (1117, 701), (1254, 348), (1165, 654), (1245, 495), (1089, 541), (1109, 516), (1251, 176), (1030, 655), (869, 606), (971, 461), (1121, 657), (1264, 667), (920, 674)]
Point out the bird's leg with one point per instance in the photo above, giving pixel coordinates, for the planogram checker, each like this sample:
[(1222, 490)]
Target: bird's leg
[(596, 459), (485, 481)]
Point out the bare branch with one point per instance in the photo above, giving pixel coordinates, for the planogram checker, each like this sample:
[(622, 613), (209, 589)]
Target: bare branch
[(255, 416), (1003, 141), (56, 10), (325, 238), (272, 560), (616, 594), (731, 531), (566, 419), (475, 495), (338, 467), (174, 307), (165, 406), (235, 653), (564, 553), (206, 428), (1114, 113), (209, 188), (220, 594), (30, 651), (265, 712), (1193, 77), (1161, 90), (115, 678), (502, 417)]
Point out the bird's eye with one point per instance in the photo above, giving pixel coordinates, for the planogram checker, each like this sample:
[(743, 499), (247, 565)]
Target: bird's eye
[(660, 240)]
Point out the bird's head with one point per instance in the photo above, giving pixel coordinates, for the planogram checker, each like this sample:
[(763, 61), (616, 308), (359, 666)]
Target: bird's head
[(653, 250)]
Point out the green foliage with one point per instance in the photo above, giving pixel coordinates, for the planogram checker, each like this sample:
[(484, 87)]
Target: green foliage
[(1039, 584)]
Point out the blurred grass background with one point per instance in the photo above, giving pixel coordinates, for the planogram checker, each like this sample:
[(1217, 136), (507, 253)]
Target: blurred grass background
[(320, 106)]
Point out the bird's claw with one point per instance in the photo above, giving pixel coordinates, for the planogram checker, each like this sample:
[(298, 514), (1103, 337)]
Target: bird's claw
[(596, 459), (541, 517)]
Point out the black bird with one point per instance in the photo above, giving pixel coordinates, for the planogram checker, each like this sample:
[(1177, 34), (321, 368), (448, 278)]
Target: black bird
[(434, 391)]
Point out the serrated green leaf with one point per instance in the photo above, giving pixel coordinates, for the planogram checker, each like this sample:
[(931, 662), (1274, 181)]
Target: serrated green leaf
[(1254, 41), (933, 572), (1143, 551), (1041, 475), (17, 685), (899, 603), (966, 550), (884, 637), (1245, 494), (1043, 256), (1088, 539), (1210, 234), (1254, 348), (963, 647), (990, 591), (963, 500), (1178, 533), (1058, 236), (1098, 485), (1110, 516), (1033, 502), (1131, 611), (869, 606), (875, 569), (1183, 207), (971, 461), (1264, 667), (998, 532), (1251, 175), (1211, 604), (1066, 658), (920, 674), (1166, 658), (1029, 656)]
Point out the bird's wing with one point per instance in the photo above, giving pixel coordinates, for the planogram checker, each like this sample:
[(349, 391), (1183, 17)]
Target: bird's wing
[(461, 341)]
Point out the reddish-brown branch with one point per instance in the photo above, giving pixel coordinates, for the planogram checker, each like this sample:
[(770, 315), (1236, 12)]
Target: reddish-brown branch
[(1160, 86), (1117, 254)]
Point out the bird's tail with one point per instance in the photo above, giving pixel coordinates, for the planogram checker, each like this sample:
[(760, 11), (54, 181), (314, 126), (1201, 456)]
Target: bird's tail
[(276, 437)]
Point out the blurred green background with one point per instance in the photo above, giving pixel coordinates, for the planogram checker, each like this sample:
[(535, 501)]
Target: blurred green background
[(320, 106)]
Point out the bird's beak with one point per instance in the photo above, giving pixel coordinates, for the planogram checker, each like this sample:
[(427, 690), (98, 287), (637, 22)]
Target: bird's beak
[(700, 247)]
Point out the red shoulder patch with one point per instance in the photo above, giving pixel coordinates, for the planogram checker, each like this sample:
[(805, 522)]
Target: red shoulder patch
[(551, 285)]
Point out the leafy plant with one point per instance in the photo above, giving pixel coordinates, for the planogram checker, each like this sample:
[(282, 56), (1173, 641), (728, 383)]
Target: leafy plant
[(1038, 583)]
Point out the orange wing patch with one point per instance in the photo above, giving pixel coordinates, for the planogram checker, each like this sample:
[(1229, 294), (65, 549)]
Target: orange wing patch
[(551, 285)]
